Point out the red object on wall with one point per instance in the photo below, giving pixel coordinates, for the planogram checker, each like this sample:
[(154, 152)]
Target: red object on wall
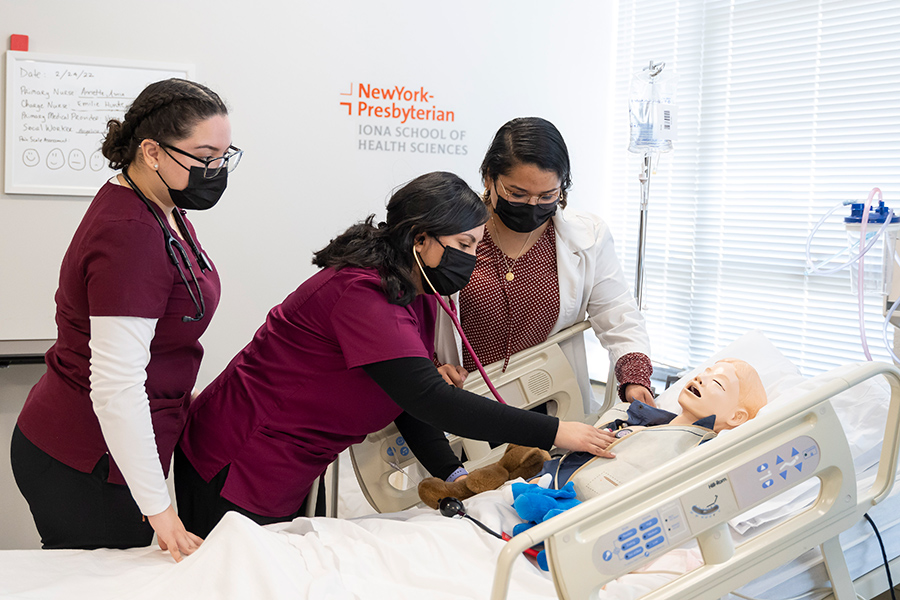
[(18, 42)]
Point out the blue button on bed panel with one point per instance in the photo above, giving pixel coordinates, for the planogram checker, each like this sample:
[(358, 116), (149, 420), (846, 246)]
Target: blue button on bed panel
[(636, 552), (648, 524), (652, 533), (631, 543), (655, 542), (627, 534)]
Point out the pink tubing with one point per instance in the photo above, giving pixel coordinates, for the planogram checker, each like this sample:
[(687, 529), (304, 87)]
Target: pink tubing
[(487, 380)]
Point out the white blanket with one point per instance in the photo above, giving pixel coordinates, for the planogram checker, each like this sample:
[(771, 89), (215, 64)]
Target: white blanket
[(415, 554)]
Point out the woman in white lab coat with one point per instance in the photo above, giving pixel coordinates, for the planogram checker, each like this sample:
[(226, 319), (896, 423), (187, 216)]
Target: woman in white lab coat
[(542, 267)]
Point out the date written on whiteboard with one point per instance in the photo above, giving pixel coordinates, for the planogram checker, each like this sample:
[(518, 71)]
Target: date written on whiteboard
[(76, 75), (63, 74)]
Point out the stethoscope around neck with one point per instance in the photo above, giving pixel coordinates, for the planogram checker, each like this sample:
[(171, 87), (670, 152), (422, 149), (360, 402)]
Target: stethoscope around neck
[(174, 248), (452, 315)]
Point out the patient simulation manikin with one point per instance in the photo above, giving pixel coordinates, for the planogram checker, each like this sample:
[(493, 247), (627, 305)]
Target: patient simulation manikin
[(721, 397)]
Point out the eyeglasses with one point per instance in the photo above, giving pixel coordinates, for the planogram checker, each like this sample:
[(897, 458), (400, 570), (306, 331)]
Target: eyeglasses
[(518, 199), (212, 166)]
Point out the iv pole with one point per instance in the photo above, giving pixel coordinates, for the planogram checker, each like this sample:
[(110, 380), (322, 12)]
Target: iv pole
[(611, 386), (644, 178)]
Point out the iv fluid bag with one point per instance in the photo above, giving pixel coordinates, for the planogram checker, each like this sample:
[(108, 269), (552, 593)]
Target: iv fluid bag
[(652, 111)]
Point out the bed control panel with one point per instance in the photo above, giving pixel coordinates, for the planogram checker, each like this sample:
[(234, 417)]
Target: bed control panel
[(775, 471), (645, 536), (714, 502), (394, 450)]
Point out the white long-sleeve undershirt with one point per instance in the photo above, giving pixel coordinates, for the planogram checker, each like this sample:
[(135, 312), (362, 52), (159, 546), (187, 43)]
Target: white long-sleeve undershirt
[(120, 353)]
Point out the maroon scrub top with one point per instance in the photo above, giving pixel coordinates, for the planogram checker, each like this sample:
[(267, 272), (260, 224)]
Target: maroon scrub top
[(117, 266), (295, 397)]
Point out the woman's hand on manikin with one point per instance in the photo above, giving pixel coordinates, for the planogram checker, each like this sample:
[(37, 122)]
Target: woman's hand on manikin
[(172, 536), (453, 374), (580, 437)]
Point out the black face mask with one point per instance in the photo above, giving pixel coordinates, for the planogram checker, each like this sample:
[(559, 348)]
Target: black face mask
[(525, 218), (201, 193), (452, 273)]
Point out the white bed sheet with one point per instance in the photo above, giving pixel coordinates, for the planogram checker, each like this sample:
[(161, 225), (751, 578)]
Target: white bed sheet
[(414, 554)]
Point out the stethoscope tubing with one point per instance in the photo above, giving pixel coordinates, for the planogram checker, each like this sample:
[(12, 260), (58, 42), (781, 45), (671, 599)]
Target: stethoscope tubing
[(465, 340), (169, 239)]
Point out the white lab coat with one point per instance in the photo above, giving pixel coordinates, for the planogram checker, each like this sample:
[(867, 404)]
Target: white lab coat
[(591, 285)]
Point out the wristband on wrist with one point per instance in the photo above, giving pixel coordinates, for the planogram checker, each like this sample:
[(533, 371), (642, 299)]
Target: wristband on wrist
[(456, 474)]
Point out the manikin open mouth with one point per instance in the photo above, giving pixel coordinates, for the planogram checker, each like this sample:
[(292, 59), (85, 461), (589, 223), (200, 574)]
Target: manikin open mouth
[(693, 389)]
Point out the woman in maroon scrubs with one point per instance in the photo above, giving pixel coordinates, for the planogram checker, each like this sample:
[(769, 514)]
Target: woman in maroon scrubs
[(94, 441), (344, 355)]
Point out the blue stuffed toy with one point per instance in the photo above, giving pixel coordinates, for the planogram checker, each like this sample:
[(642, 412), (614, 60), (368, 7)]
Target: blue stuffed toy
[(536, 504)]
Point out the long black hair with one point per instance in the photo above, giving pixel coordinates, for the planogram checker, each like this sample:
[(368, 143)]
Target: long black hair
[(529, 141), (165, 111), (436, 204)]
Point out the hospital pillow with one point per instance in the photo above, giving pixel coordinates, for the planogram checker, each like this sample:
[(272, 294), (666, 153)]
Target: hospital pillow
[(862, 411)]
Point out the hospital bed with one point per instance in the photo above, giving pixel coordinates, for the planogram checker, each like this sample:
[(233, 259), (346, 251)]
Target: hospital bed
[(418, 553), (797, 443), (694, 497)]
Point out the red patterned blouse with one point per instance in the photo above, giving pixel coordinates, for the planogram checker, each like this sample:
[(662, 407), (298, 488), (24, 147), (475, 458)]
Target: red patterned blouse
[(502, 315)]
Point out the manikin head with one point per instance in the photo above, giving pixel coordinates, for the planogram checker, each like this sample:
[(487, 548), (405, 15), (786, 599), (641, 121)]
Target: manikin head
[(730, 389)]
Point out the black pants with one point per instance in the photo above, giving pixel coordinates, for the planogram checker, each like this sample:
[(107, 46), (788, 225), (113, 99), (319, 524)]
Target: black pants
[(73, 509), (200, 506)]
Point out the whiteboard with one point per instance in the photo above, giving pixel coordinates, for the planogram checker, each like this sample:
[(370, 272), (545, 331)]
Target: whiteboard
[(57, 107)]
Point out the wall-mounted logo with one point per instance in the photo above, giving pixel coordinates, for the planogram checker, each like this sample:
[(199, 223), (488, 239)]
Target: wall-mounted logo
[(405, 119), (398, 102)]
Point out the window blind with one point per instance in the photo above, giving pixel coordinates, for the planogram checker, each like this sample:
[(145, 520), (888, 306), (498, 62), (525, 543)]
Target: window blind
[(784, 110)]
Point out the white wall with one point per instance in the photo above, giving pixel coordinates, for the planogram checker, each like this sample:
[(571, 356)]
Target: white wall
[(16, 527), (282, 67)]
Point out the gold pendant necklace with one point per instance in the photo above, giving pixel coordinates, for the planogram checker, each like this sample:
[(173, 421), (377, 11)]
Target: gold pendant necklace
[(509, 271)]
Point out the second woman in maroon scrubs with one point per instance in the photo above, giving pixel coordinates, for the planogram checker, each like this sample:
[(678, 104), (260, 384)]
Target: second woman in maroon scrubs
[(343, 356)]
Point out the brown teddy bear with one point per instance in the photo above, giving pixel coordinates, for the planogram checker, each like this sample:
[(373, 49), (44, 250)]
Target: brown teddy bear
[(517, 461)]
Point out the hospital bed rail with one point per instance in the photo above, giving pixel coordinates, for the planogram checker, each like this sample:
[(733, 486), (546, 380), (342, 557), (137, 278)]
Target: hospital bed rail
[(694, 497), (540, 375)]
